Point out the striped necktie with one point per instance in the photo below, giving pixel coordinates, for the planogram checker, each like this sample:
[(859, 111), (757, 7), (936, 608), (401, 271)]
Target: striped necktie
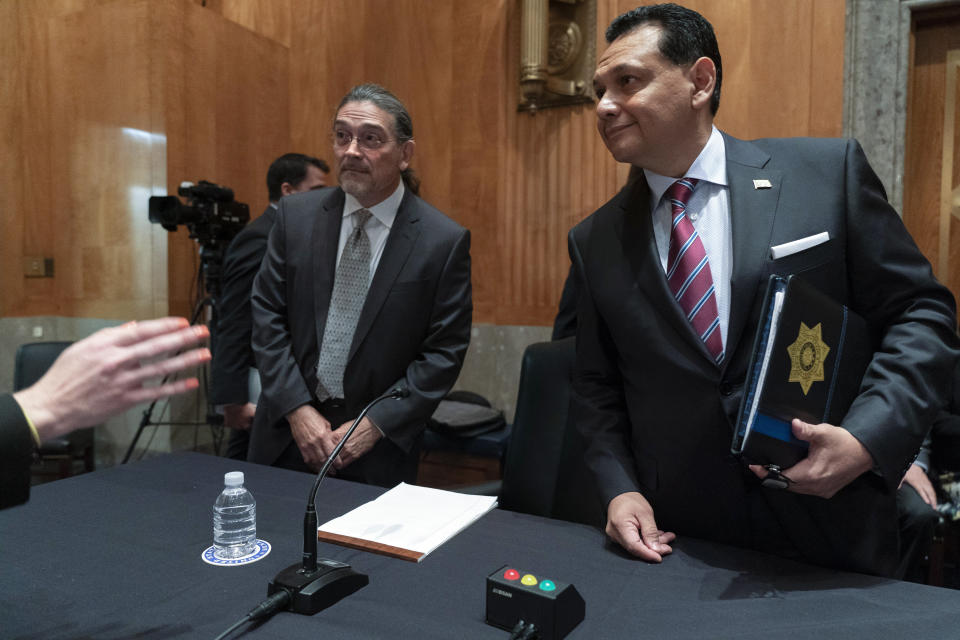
[(688, 271)]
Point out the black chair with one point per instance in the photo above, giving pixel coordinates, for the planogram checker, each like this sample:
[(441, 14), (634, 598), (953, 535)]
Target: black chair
[(544, 473), (32, 361)]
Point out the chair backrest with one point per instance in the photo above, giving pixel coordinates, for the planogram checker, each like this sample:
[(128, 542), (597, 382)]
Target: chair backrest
[(544, 473), (32, 361)]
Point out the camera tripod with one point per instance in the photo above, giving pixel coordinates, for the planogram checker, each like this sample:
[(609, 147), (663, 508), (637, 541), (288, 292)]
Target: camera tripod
[(209, 281)]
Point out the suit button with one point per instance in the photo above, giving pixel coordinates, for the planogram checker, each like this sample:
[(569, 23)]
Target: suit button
[(726, 388)]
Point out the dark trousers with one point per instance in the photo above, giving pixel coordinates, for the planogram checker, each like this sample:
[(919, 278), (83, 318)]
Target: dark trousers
[(237, 444), (918, 521)]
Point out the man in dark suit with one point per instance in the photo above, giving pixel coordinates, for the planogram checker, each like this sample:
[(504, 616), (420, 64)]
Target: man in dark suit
[(233, 372), (364, 288), (672, 274), (94, 379)]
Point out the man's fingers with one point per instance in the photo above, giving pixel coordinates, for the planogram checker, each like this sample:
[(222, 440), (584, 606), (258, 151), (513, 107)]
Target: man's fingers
[(630, 539), (140, 395), (803, 430), (167, 343), (133, 332), (170, 366), (758, 470)]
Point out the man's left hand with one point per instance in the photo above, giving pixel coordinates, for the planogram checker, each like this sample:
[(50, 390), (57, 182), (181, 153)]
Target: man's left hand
[(917, 478), (834, 460), (359, 443)]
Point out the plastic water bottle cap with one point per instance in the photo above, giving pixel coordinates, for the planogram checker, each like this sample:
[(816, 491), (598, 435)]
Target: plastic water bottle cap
[(233, 478)]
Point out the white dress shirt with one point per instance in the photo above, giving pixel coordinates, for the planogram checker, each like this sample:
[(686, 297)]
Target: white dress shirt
[(377, 228), (708, 210)]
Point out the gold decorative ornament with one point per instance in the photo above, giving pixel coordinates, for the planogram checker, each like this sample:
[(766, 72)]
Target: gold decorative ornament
[(557, 53)]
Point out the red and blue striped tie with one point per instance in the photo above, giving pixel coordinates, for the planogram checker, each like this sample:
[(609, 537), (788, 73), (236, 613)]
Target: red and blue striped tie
[(688, 271)]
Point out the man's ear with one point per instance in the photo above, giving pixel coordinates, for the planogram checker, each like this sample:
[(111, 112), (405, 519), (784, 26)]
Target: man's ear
[(703, 75), (406, 154), (286, 189)]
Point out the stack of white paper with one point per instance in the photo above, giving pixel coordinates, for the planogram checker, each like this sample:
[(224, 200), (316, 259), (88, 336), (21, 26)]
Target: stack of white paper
[(407, 518)]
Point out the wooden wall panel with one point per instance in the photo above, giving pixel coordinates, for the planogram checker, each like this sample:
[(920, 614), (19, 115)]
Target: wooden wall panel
[(103, 95), (557, 170), (229, 95), (234, 122), (13, 79), (82, 172), (445, 61), (519, 182), (935, 32), (269, 18), (229, 118)]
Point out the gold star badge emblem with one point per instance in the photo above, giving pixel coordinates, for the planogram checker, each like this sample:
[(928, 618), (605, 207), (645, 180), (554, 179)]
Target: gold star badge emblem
[(806, 357)]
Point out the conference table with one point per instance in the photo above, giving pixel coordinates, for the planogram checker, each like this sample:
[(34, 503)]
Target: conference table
[(117, 554)]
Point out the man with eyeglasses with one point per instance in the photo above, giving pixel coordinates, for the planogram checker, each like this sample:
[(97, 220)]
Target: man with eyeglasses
[(364, 288)]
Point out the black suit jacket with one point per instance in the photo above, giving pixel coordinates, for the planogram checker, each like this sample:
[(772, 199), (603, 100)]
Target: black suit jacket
[(16, 453), (659, 415), (413, 330), (233, 353)]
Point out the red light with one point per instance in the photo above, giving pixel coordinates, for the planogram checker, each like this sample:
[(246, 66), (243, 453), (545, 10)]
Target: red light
[(511, 574)]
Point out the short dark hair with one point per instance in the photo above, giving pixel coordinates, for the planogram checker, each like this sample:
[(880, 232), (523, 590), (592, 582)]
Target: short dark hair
[(402, 123), (292, 168), (686, 36)]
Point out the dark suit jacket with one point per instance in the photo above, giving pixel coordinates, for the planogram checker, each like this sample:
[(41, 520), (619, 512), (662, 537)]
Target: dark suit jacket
[(16, 453), (659, 415), (413, 331), (232, 352)]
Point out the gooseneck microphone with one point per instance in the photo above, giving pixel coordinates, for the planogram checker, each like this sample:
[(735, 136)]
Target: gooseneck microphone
[(315, 584)]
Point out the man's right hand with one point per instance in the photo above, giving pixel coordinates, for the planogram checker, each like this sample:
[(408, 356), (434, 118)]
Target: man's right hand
[(239, 416), (312, 433), (630, 524)]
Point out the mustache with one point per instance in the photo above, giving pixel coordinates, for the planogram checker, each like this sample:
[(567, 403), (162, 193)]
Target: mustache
[(352, 166)]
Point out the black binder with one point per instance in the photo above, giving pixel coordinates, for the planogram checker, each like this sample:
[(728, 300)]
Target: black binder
[(808, 361)]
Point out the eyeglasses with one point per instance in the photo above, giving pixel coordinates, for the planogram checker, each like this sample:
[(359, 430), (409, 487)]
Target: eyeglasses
[(369, 140)]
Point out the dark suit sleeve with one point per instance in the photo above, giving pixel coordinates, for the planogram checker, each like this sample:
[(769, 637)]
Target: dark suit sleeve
[(16, 451), (565, 324), (893, 287), (233, 355), (597, 403), (434, 371), (283, 384)]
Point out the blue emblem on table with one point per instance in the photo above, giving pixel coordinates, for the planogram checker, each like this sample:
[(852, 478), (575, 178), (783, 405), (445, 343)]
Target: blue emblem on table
[(260, 550)]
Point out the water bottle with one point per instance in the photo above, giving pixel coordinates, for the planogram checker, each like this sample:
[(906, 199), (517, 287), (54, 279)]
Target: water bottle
[(234, 519)]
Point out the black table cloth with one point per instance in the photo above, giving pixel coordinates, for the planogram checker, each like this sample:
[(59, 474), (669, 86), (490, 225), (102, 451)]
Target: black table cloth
[(116, 554)]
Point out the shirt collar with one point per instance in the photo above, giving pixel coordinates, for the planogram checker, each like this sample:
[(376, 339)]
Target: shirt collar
[(385, 211), (710, 166)]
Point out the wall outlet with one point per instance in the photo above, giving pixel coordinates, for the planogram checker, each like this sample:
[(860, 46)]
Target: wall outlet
[(37, 267)]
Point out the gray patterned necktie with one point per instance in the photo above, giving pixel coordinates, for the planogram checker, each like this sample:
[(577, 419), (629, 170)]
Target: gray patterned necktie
[(349, 293)]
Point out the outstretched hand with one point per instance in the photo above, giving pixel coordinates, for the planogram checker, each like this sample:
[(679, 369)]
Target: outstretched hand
[(104, 374)]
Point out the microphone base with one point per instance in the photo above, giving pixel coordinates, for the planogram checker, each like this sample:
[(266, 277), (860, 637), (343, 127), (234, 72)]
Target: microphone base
[(317, 590)]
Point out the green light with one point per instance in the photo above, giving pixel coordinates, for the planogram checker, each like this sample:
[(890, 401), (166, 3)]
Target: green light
[(547, 585)]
